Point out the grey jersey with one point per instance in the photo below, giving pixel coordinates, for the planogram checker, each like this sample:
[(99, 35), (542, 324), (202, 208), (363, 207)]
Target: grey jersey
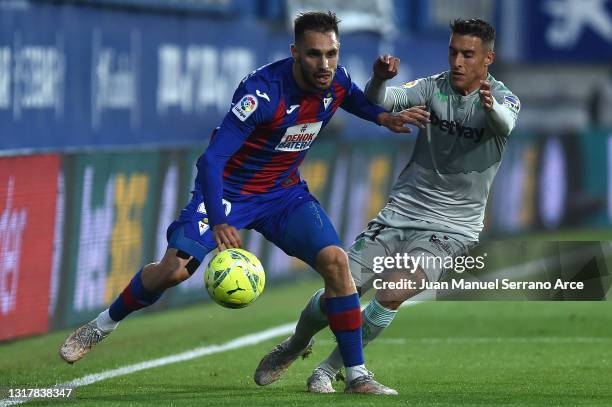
[(455, 159)]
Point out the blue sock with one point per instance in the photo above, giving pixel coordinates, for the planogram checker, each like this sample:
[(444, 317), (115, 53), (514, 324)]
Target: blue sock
[(134, 297), (344, 317)]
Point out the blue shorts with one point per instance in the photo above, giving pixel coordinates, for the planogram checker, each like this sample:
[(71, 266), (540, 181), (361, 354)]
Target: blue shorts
[(293, 220)]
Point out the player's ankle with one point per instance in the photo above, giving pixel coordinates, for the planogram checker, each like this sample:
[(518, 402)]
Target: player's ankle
[(105, 323), (354, 372), (297, 343), (329, 369)]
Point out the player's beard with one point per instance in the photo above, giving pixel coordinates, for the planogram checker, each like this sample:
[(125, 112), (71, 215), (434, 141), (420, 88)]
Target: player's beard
[(310, 77)]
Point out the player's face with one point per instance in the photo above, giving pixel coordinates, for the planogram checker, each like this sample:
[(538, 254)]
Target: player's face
[(468, 60), (316, 59)]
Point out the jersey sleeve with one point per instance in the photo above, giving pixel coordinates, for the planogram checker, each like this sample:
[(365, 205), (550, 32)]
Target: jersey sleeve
[(414, 93), (356, 102), (506, 107), (251, 107)]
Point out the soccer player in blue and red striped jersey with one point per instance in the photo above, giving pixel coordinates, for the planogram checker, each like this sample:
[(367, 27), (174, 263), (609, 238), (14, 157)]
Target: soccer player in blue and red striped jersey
[(249, 178)]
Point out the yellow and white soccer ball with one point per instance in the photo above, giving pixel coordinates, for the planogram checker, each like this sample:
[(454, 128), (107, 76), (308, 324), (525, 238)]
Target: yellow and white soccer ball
[(234, 278)]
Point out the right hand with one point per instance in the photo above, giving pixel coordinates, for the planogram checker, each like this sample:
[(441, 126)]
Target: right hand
[(416, 115), (226, 236), (386, 67)]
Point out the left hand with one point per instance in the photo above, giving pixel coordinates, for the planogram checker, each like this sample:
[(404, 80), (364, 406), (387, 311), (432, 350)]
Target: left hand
[(486, 98), (416, 115), (385, 67), (393, 122), (226, 236)]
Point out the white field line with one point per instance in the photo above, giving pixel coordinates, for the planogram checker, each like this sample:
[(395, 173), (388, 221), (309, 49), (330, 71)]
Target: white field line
[(239, 342), (258, 337)]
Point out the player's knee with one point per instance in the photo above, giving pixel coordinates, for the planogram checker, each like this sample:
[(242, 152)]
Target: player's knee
[(391, 297), (170, 271), (332, 263)]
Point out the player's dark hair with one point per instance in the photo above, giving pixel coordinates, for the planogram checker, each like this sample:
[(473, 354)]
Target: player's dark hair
[(476, 27), (314, 21)]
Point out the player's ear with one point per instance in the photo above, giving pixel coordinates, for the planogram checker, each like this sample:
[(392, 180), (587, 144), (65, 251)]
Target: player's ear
[(490, 57), (294, 52)]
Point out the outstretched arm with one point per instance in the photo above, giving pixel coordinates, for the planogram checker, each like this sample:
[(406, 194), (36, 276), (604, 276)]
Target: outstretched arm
[(392, 98), (385, 68), (358, 104), (501, 117)]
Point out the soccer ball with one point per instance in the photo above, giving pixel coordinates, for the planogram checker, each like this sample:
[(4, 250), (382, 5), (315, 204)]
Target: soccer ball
[(234, 278)]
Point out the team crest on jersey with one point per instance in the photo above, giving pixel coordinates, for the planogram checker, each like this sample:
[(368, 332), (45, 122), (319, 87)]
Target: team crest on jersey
[(327, 100), (410, 84), (299, 137), (203, 225), (512, 103), (245, 107)]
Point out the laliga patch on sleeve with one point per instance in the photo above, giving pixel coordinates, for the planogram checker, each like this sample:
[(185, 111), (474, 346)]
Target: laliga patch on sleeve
[(512, 103), (245, 107), (410, 84)]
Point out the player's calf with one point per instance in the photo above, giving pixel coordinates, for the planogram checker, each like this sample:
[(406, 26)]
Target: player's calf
[(148, 284), (175, 267), (145, 288), (342, 308), (376, 316), (393, 298)]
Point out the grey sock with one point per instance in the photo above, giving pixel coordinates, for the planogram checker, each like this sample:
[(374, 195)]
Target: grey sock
[(375, 319), (311, 321)]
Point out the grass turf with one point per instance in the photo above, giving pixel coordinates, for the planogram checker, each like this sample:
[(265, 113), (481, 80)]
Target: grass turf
[(434, 354)]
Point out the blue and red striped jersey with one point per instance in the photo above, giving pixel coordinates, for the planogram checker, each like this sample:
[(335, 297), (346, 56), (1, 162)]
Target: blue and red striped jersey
[(265, 136)]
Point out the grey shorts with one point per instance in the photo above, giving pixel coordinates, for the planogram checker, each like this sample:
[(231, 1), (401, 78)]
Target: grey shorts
[(414, 239)]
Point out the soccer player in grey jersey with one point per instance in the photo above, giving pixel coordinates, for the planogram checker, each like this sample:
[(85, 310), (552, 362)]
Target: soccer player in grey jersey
[(436, 207), (471, 115)]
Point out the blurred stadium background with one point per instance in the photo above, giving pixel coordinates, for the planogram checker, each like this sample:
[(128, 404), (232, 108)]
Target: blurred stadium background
[(106, 104)]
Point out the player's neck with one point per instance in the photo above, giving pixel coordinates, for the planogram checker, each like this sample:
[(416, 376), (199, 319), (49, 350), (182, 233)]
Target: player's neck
[(472, 87), (468, 90)]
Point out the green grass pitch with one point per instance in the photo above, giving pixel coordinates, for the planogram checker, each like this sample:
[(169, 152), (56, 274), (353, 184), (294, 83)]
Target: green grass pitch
[(434, 354)]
